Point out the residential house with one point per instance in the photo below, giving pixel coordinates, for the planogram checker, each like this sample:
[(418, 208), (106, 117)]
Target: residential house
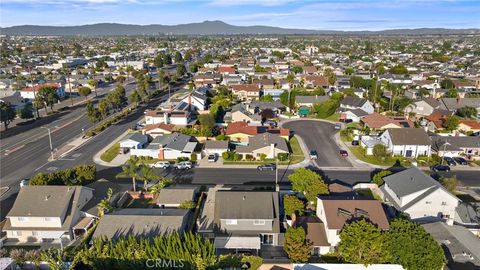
[(381, 122), (352, 103), (198, 98), (468, 216), (453, 104), (46, 214), (407, 142), (226, 70), (335, 212), (274, 93), (134, 141), (423, 107), (246, 91), (155, 130), (435, 120), (454, 146), (314, 233), (264, 83), (315, 81), (242, 131), (241, 220), (263, 144), (30, 92), (467, 125), (141, 223), (175, 117), (15, 100), (256, 107), (215, 147), (176, 195), (241, 113), (419, 196), (354, 115), (305, 103), (171, 146)]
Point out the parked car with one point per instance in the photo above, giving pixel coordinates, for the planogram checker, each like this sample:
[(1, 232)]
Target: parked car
[(450, 161), (265, 167), (343, 153), (440, 168), (161, 164), (271, 123), (184, 165), (348, 120), (338, 126), (461, 160), (355, 142), (313, 154), (212, 158)]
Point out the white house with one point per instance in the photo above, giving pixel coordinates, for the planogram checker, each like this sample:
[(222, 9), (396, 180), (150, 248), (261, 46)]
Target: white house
[(179, 118), (420, 196), (198, 98), (134, 141), (336, 212), (423, 107), (352, 103), (407, 142), (171, 146)]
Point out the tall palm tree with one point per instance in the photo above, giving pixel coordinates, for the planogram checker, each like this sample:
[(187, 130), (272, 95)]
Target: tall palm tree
[(130, 170), (146, 174), (104, 205)]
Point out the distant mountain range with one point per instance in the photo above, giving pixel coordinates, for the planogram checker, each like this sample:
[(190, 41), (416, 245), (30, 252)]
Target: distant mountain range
[(205, 28)]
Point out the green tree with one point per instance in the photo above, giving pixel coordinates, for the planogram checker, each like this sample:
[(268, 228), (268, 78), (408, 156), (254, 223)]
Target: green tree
[(326, 108), (26, 112), (188, 56), (188, 205), (450, 183), (412, 247), (158, 61), (207, 121), (399, 69), (297, 69), (84, 91), (447, 84), (146, 174), (467, 112), (7, 113), (349, 71), (130, 169), (267, 98), (451, 123), (104, 108), (155, 189), (309, 183), (135, 98), (181, 70), (92, 112), (293, 205), (296, 246), (378, 177), (451, 93), (178, 57), (47, 95), (104, 205), (361, 242), (380, 151)]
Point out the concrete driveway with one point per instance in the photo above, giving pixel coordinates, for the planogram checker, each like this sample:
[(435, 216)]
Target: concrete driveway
[(319, 136)]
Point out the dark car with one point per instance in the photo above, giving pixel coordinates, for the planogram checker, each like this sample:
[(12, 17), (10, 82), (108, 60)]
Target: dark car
[(355, 143), (440, 168), (348, 120), (450, 161), (461, 160), (343, 153), (264, 167)]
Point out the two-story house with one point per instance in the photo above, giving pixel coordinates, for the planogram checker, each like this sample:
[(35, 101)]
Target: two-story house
[(419, 196), (241, 220), (46, 214), (407, 142), (352, 103)]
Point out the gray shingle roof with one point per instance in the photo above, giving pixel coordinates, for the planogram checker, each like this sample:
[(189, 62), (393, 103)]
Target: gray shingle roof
[(43, 201), (246, 205), (176, 141), (452, 104), (353, 101), (216, 145), (136, 137), (310, 99), (409, 136), (144, 223), (409, 181), (176, 195), (262, 140)]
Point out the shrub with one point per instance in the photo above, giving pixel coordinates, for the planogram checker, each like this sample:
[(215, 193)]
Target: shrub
[(379, 151), (263, 156), (237, 157), (180, 159), (227, 155), (222, 137), (249, 157), (254, 261), (282, 156), (89, 133), (79, 175), (378, 177), (188, 205), (193, 157)]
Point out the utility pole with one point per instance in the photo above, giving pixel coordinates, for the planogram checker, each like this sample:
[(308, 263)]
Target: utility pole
[(50, 139), (444, 150)]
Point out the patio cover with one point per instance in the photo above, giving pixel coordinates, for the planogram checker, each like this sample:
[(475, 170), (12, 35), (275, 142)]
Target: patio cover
[(237, 242)]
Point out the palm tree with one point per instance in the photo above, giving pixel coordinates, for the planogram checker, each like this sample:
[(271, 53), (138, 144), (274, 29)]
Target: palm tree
[(104, 205), (146, 174), (155, 189), (130, 170)]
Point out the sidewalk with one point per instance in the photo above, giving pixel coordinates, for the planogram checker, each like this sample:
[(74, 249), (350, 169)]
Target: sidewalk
[(119, 160), (69, 147)]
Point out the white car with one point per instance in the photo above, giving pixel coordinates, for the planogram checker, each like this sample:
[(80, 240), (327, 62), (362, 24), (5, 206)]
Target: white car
[(212, 158), (161, 164), (184, 165)]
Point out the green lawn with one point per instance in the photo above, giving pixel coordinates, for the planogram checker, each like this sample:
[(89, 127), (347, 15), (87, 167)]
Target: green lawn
[(140, 203), (359, 152), (111, 153), (334, 117)]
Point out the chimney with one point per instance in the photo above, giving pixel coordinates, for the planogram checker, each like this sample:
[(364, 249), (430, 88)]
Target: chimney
[(165, 118)]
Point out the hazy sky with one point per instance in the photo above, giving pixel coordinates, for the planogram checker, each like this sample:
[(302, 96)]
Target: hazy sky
[(307, 14)]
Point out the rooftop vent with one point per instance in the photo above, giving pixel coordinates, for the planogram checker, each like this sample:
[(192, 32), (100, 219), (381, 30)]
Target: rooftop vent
[(361, 213), (345, 213)]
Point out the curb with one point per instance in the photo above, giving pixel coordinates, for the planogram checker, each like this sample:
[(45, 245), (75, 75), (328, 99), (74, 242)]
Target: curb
[(96, 157)]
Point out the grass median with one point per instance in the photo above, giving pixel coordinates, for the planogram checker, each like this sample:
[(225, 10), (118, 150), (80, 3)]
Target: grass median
[(111, 153)]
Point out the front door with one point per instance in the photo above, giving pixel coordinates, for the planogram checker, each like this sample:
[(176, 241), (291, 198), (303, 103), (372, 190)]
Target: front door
[(408, 153)]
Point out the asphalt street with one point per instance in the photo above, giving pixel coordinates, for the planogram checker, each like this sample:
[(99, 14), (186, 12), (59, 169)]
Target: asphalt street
[(319, 136)]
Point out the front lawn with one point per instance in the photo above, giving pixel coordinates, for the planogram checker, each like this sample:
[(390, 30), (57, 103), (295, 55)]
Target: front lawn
[(140, 203), (334, 117), (111, 153)]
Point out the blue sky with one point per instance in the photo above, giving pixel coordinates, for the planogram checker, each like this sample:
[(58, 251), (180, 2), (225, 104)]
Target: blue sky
[(306, 14)]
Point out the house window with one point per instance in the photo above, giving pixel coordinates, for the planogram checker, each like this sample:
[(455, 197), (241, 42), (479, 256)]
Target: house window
[(259, 222), (267, 239), (428, 202), (444, 203), (22, 218), (231, 222)]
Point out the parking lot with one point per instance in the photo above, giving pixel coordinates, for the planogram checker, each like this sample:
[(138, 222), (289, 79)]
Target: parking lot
[(319, 136)]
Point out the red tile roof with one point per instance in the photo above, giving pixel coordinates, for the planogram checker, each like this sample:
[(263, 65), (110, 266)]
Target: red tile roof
[(245, 87), (473, 124), (243, 127), (38, 86), (226, 70)]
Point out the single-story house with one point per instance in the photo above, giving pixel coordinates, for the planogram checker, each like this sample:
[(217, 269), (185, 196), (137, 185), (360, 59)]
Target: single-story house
[(155, 130), (215, 147), (453, 146), (355, 115), (381, 122), (309, 101), (171, 146), (266, 143), (134, 141), (241, 112), (351, 103), (423, 107), (176, 195), (469, 125), (242, 131)]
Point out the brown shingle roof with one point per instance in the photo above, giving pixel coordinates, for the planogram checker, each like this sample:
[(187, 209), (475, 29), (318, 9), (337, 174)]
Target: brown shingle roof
[(409, 136), (336, 221), (245, 87)]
